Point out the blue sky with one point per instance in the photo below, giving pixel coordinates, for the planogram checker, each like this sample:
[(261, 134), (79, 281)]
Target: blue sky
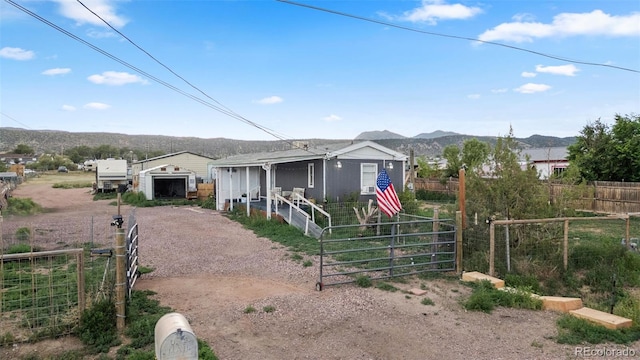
[(307, 73)]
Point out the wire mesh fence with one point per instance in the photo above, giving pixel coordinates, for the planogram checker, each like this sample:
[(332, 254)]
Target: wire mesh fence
[(557, 251), (49, 272)]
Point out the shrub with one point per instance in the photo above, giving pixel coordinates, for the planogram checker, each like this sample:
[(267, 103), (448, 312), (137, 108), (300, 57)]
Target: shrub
[(427, 301), (363, 281), (22, 207), (486, 297), (97, 327), (269, 309)]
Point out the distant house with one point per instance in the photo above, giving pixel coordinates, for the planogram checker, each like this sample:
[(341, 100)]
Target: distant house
[(547, 161), (10, 159), (183, 159), (321, 173)]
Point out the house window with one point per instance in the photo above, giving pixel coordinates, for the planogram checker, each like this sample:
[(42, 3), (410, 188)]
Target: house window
[(368, 174), (311, 174)]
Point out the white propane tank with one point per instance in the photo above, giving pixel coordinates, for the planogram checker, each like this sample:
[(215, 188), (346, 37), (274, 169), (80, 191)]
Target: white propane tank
[(174, 339)]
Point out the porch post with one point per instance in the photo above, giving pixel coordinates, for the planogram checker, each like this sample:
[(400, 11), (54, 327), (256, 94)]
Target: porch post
[(267, 167), (247, 193), (230, 189)]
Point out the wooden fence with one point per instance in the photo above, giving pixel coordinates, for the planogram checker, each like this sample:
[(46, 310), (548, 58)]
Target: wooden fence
[(598, 196)]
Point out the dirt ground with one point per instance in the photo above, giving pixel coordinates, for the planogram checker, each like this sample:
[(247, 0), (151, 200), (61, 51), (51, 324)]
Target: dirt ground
[(210, 269)]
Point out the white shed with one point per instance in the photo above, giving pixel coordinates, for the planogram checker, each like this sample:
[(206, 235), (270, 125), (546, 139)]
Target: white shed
[(167, 182)]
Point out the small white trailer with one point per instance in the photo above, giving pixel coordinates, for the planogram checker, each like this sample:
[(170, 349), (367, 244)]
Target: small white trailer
[(110, 174)]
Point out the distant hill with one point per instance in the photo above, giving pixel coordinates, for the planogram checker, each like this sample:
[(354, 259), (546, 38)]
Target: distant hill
[(435, 134), (379, 135), (53, 141)]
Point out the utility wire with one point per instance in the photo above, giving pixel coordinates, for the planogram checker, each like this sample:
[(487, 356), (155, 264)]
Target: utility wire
[(454, 36), (23, 124), (267, 130), (144, 73)]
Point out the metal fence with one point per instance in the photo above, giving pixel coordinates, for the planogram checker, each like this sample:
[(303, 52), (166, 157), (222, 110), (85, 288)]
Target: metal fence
[(51, 269), (41, 294), (132, 253), (384, 250)]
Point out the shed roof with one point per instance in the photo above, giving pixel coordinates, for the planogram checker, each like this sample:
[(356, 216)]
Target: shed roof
[(174, 171), (170, 155), (327, 151)]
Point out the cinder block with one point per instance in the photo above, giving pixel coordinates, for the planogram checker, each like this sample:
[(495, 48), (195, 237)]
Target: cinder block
[(418, 292), (562, 304), (609, 321), (474, 276)]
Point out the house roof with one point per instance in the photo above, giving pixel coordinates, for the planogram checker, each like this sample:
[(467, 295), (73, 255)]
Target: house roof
[(302, 154), (170, 155), (552, 154)]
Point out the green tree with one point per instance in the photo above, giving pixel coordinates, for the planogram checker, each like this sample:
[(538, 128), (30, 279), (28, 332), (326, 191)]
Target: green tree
[(23, 149), (474, 154), (425, 169), (511, 191), (608, 154), (452, 154)]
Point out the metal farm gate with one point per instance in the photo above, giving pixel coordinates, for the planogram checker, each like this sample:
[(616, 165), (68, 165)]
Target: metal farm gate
[(386, 250), (132, 253)]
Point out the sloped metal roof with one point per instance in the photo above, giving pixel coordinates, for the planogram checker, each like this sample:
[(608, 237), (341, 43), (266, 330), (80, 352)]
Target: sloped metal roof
[(301, 154)]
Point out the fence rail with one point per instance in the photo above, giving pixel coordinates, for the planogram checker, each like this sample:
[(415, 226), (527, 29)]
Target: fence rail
[(598, 196)]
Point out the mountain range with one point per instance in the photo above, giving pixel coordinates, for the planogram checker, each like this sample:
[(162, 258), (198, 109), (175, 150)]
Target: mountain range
[(425, 144)]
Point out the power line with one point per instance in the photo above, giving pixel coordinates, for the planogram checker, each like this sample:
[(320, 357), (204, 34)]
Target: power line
[(258, 126), (220, 108), (23, 124), (454, 36)]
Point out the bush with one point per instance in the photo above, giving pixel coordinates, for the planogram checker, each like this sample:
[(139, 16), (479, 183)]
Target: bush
[(97, 327), (486, 297), (22, 206), (363, 281), (426, 195)]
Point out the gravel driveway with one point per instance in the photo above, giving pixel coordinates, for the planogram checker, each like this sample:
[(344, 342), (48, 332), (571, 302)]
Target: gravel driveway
[(211, 269)]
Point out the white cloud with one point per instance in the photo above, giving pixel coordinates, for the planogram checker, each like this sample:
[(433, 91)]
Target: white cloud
[(523, 17), (104, 8), (68, 108), (332, 118), (116, 78), (528, 74), (270, 100), (567, 70), (567, 24), (433, 11), (100, 34), (473, 96), (56, 71), (96, 106), (16, 53), (531, 88), (499, 91)]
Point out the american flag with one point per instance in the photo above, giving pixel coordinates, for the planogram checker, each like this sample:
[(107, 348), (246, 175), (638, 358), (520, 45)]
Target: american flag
[(386, 195)]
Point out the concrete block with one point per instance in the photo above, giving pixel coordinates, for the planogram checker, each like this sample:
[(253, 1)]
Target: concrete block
[(607, 320), (474, 276), (418, 292), (562, 304)]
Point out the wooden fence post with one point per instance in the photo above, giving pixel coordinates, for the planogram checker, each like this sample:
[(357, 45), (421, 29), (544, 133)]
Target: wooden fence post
[(565, 247), (459, 241), (492, 248)]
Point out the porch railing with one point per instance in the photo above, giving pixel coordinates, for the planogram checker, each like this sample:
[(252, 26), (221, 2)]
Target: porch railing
[(297, 198)]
